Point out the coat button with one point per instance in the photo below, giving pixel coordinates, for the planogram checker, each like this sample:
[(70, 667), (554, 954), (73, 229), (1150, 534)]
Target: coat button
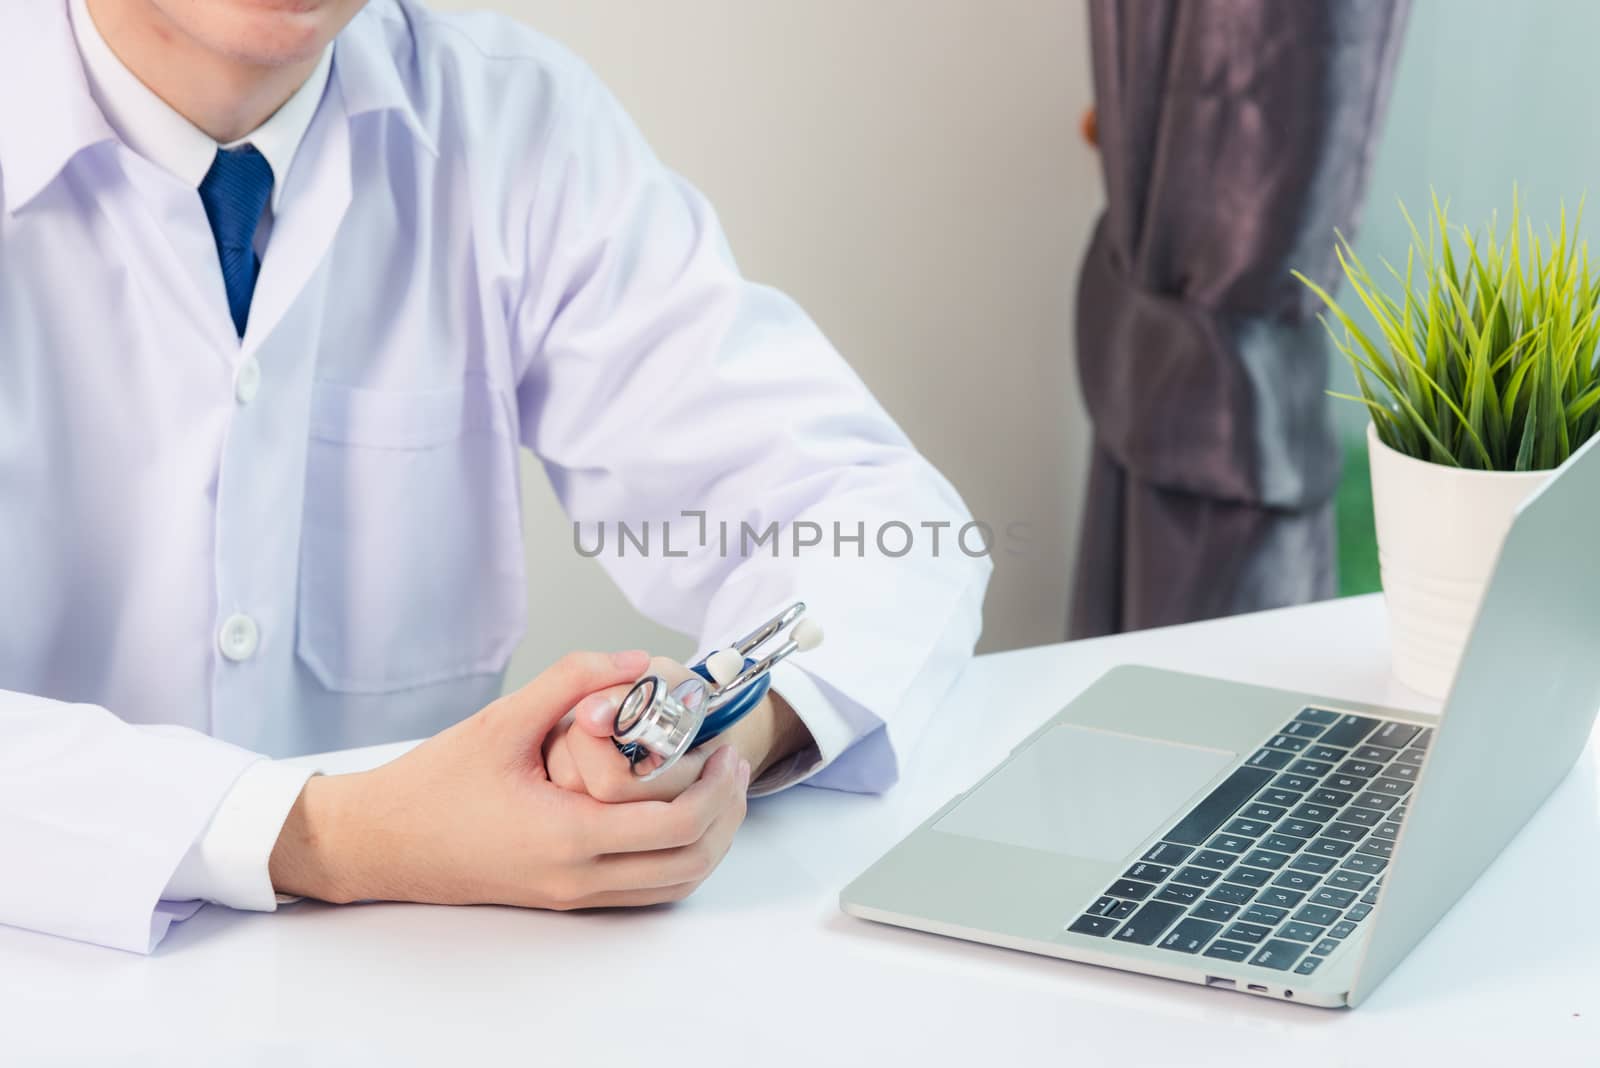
[(239, 637), (247, 381)]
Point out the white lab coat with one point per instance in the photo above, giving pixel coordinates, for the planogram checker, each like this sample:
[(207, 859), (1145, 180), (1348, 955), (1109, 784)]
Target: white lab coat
[(474, 252)]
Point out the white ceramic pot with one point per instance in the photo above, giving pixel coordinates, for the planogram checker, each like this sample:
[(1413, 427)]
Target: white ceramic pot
[(1439, 533)]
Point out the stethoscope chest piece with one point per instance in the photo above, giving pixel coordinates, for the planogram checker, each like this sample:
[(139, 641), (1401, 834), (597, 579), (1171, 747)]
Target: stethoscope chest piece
[(656, 725)]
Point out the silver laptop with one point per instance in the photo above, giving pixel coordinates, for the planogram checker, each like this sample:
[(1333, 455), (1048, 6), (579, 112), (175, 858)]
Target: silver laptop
[(1272, 843)]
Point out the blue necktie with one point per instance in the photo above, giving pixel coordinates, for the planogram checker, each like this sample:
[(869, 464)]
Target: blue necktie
[(235, 192)]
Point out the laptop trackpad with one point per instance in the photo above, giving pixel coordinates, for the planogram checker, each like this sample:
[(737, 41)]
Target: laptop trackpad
[(1086, 793)]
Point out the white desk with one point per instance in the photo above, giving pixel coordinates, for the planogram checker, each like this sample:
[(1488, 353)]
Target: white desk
[(761, 967)]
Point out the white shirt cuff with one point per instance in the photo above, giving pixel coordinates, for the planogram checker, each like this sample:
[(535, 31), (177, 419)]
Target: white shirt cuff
[(228, 863), (831, 732)]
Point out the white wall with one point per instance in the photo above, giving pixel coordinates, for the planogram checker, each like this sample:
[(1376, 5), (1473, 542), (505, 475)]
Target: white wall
[(910, 171)]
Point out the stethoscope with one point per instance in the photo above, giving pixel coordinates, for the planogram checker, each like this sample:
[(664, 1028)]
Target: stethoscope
[(655, 726)]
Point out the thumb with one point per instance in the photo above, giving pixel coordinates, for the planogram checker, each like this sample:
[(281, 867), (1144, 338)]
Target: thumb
[(540, 704), (597, 714)]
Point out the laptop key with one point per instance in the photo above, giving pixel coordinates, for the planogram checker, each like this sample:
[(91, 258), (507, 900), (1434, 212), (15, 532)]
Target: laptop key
[(1301, 932), (1412, 757), (1395, 735), (1332, 754), (1381, 802), (1299, 828), (1144, 871), (1329, 847), (1225, 950), (1326, 946), (1377, 847), (1333, 897), (1371, 896), (1363, 862), (1313, 863), (1359, 913), (1287, 742), (1278, 954), (1248, 828), (1421, 740), (1179, 893), (1386, 831), (1231, 843), (1280, 897), (1190, 935), (1130, 889), (1117, 909), (1282, 843), (1320, 915), (1350, 784), (1196, 876), (1399, 770), (1248, 876), (1329, 797), (1316, 813), (1296, 880), (1230, 893), (1279, 796), (1263, 858), (1345, 832), (1264, 914), (1213, 858), (1291, 781), (1220, 804), (1318, 768), (1342, 929), (1149, 923), (1320, 716), (1273, 759), (1214, 910), (1376, 753), (1307, 965), (1387, 785), (1301, 729), (1099, 926), (1364, 768), (1167, 853), (1349, 731), (1366, 817), (1349, 880), (1246, 932), (1262, 812)]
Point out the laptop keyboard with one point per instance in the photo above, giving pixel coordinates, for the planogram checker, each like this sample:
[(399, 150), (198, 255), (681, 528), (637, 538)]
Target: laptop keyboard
[(1281, 863)]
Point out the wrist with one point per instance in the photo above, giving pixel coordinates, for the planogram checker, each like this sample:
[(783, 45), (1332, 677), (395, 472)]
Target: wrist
[(782, 734), (310, 858)]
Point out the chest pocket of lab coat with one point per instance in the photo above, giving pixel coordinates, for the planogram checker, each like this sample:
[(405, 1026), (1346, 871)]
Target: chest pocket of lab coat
[(411, 566)]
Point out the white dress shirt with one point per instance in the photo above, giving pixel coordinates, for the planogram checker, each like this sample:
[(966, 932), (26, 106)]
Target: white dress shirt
[(215, 550)]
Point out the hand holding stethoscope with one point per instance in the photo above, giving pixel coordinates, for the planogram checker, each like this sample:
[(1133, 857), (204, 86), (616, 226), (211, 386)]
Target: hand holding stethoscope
[(656, 725), (621, 745)]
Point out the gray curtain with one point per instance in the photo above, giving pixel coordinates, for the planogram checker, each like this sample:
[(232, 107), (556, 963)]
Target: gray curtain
[(1235, 136)]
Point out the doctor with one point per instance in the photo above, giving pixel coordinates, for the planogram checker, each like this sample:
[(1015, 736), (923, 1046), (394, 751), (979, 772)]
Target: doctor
[(284, 287)]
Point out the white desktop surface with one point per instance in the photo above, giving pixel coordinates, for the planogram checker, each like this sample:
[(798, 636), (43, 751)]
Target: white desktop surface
[(760, 966)]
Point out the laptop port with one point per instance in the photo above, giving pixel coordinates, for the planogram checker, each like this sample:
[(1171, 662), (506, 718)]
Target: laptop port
[(1256, 989), (1215, 980)]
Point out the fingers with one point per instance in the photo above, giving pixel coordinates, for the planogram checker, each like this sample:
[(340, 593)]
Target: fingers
[(596, 715), (539, 705), (688, 864), (620, 899), (644, 826)]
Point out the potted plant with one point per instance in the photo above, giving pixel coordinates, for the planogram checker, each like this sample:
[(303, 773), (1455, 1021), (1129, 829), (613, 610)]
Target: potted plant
[(1479, 372)]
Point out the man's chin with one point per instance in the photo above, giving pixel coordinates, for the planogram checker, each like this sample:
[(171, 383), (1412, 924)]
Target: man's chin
[(266, 33)]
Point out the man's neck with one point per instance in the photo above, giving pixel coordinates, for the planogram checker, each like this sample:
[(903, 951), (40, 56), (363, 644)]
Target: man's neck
[(226, 98)]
